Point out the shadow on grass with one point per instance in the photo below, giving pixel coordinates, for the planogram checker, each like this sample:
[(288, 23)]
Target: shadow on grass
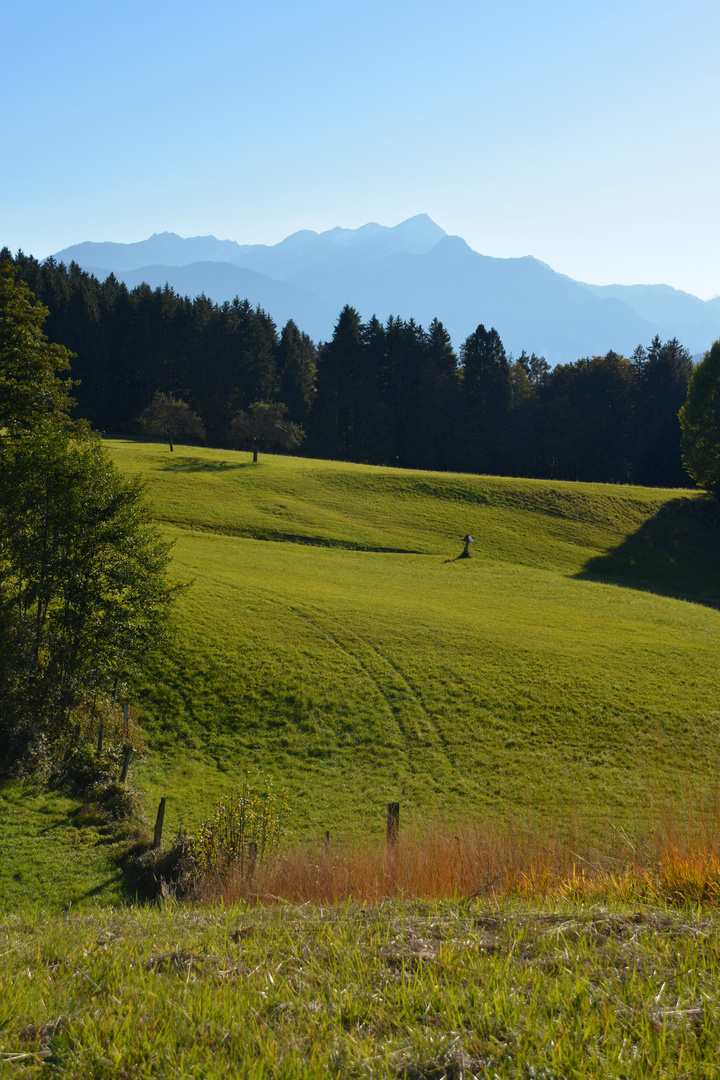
[(675, 553), (195, 464), (96, 891)]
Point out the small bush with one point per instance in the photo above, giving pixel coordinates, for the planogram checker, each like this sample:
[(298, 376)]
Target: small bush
[(241, 818), (119, 800), (82, 768)]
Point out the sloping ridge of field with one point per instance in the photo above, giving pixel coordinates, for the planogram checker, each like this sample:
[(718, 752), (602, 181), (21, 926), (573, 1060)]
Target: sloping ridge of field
[(332, 639)]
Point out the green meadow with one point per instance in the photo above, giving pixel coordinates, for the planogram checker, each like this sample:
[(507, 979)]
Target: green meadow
[(331, 639), (560, 683)]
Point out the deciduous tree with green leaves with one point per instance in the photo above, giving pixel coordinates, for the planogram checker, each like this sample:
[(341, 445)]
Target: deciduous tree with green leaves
[(83, 571), (83, 582), (264, 426), (173, 419), (33, 373)]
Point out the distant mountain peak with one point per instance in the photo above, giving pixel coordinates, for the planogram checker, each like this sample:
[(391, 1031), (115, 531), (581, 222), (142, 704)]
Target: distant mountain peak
[(416, 235), (423, 221)]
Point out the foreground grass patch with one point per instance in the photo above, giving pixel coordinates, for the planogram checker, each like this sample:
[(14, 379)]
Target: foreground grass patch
[(390, 990), (53, 854)]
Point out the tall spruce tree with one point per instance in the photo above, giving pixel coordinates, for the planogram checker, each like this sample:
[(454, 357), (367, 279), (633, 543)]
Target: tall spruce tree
[(439, 398), (664, 372), (339, 381), (378, 442), (297, 369), (486, 397)]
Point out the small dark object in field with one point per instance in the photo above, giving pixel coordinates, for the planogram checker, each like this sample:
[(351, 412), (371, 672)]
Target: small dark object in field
[(467, 540), (241, 932)]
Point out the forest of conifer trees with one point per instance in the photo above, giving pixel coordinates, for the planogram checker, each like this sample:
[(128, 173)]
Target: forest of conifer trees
[(392, 393)]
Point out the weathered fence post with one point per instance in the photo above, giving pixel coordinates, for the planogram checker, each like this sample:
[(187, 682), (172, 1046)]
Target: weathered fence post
[(393, 835), (159, 821), (101, 736), (393, 824), (126, 764), (126, 708), (252, 859), (327, 842)]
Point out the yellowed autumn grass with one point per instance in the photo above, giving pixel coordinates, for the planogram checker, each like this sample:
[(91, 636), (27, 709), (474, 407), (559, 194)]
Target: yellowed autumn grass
[(675, 859)]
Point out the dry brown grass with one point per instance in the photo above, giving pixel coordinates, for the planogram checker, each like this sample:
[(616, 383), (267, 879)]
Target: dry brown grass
[(677, 861), (674, 857)]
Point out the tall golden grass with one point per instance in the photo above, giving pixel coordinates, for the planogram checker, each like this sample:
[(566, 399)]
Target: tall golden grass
[(675, 857)]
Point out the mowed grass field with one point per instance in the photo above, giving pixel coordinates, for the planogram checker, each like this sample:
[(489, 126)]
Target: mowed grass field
[(331, 639)]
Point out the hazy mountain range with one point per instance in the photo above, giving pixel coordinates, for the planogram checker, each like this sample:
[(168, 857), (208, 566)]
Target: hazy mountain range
[(412, 270)]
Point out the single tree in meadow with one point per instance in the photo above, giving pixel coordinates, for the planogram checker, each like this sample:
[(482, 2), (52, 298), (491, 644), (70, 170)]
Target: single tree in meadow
[(264, 426), (173, 419)]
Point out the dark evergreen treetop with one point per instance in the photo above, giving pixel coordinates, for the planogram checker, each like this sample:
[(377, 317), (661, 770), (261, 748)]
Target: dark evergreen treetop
[(700, 422)]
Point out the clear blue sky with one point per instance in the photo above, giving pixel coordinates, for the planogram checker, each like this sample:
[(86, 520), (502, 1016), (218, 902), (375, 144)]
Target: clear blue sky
[(586, 133)]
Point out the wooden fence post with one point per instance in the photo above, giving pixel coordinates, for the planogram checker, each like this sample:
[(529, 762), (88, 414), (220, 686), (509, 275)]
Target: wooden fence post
[(125, 718), (252, 859), (126, 764), (393, 824), (159, 820), (327, 842), (101, 736)]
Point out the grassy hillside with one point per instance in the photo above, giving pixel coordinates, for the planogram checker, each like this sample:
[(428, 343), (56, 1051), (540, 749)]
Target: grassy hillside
[(332, 638)]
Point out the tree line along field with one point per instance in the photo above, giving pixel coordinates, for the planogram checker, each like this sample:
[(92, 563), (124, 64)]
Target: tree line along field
[(331, 639), (391, 393)]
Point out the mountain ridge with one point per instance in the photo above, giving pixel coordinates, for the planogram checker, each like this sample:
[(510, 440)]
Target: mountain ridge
[(413, 269)]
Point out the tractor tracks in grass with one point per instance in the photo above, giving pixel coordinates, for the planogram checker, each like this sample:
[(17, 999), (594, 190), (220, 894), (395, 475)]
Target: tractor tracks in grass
[(413, 721), (402, 700)]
